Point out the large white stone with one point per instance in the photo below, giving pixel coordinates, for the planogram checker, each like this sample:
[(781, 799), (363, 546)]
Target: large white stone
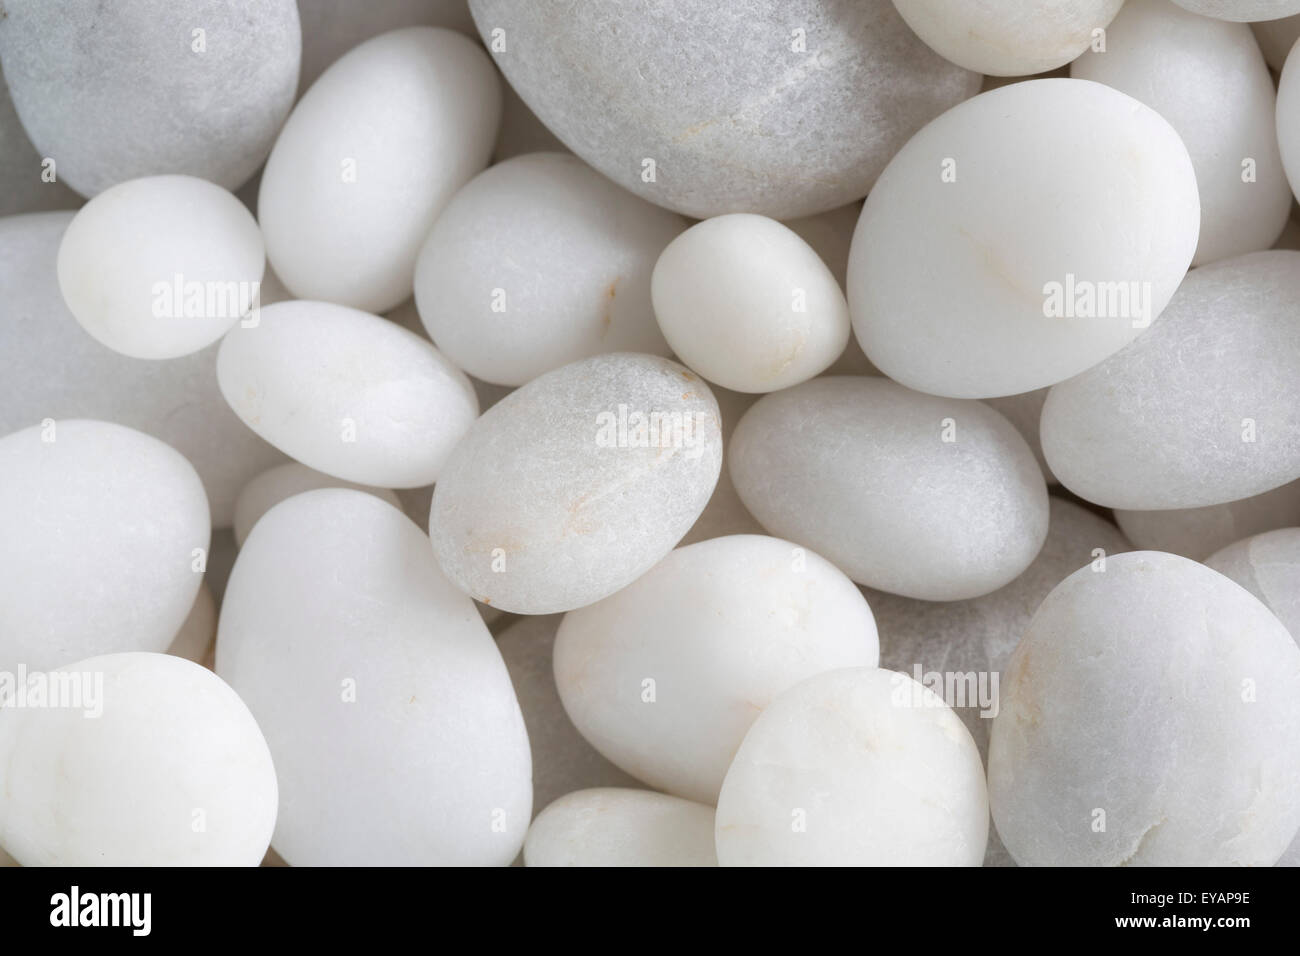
[(1197, 533), (616, 827)]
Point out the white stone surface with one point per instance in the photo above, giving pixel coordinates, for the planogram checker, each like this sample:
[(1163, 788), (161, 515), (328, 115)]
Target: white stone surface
[(968, 287), (556, 498), (1197, 533), (1155, 693), (388, 710), (858, 469), (172, 772), (665, 676), (618, 827), (857, 767), (284, 481)]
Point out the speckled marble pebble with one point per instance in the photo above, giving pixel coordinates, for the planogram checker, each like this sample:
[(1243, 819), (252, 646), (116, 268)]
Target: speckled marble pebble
[(665, 677), (338, 629), (106, 531), (577, 483), (815, 111), (621, 827), (284, 481), (928, 497), (1197, 533), (857, 767), (1123, 434), (205, 84), (537, 262), (1140, 722), (124, 788)]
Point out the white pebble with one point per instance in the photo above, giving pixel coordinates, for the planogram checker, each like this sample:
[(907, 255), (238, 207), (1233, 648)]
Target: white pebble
[(616, 827)]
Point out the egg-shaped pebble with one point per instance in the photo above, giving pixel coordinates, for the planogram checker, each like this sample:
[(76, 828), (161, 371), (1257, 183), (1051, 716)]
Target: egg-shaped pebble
[(856, 767), (369, 156), (284, 481), (778, 107), (160, 267), (106, 531), (928, 497), (347, 393), (1197, 533), (1009, 37), (577, 483), (537, 262), (1141, 719), (964, 282), (1202, 409), (610, 826), (176, 401), (1268, 566), (665, 676), (139, 88), (134, 759), (395, 731), (1242, 10), (1209, 80), (199, 630), (744, 301)]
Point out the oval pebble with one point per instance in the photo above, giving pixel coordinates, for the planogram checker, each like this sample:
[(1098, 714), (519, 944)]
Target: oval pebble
[(960, 284), (857, 767), (932, 498), (1209, 80), (711, 634), (170, 746), (735, 115), (538, 262), (617, 827), (347, 393), (369, 156), (103, 525), (577, 483), (1228, 347), (1140, 723), (746, 303), (1268, 566), (284, 481), (139, 88), (160, 267), (1197, 533), (394, 728)]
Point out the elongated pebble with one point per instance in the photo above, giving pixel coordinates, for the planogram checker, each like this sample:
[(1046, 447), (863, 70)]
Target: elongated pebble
[(621, 827)]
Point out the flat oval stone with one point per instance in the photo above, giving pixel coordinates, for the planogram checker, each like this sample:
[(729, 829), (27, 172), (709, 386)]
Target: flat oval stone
[(962, 283), (932, 498), (576, 484), (665, 676), (1197, 533), (1141, 720), (779, 107), (347, 393), (103, 526), (394, 728), (617, 827), (1123, 434)]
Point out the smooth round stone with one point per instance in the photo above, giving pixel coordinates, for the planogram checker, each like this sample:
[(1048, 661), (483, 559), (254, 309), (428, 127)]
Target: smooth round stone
[(102, 523), (538, 262), (1025, 411), (368, 158), (1141, 720), (1197, 533), (1276, 37), (857, 767), (1008, 37), (195, 637), (576, 484), (395, 731), (347, 393), (160, 267), (176, 401), (859, 470), (610, 826), (746, 303), (1123, 434), (171, 770), (666, 676), (1242, 10), (22, 188), (779, 107), (968, 287), (1209, 80), (129, 90), (284, 481), (562, 760), (1268, 566)]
